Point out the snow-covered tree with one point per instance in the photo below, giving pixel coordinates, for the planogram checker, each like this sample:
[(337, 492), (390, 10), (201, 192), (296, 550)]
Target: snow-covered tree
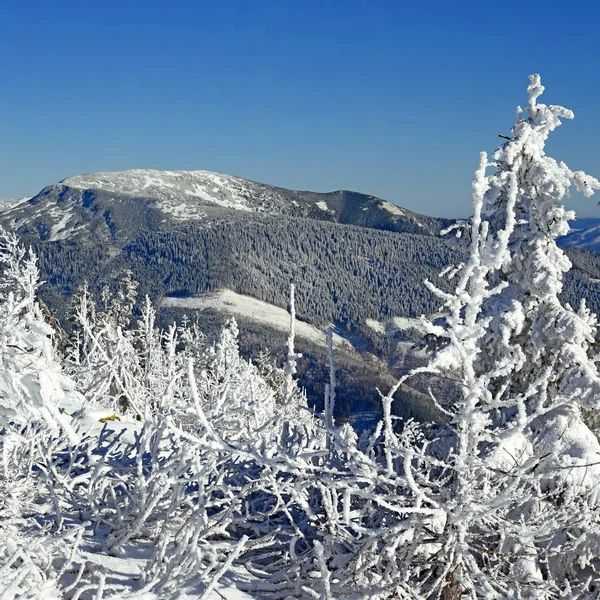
[(111, 359), (548, 342), (82, 316), (32, 384), (514, 485), (36, 398), (502, 502)]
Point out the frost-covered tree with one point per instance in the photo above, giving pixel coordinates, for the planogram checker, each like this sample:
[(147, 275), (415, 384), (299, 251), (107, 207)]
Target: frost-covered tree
[(233, 395), (36, 398), (502, 502), (538, 351), (109, 357), (82, 312), (513, 485), (32, 384), (548, 342)]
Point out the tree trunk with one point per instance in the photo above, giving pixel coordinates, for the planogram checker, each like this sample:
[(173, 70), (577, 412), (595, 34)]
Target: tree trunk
[(453, 589)]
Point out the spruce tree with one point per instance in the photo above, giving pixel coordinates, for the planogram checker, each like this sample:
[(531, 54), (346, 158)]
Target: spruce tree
[(32, 384), (523, 513), (503, 501)]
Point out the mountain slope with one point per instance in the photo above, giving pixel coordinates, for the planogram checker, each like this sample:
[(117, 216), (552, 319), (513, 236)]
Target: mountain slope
[(117, 205), (352, 256)]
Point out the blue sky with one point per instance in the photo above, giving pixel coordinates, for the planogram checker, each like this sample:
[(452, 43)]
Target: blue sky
[(385, 98)]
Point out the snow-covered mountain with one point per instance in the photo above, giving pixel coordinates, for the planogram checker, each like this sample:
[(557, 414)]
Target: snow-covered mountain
[(119, 203), (215, 245), (584, 234)]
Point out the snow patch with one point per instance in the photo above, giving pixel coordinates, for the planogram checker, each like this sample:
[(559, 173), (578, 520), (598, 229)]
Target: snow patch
[(323, 206), (405, 323), (392, 208), (397, 323), (59, 230), (376, 326)]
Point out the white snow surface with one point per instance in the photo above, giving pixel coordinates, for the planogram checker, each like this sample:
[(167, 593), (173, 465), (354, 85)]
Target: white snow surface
[(394, 324), (404, 323), (181, 193), (256, 310), (60, 229), (376, 326), (392, 208), (323, 206)]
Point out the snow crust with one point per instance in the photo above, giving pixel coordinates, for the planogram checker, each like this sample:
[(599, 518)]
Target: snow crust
[(167, 188), (201, 188)]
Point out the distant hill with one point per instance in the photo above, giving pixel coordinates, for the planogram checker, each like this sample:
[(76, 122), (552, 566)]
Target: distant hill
[(119, 205), (584, 234)]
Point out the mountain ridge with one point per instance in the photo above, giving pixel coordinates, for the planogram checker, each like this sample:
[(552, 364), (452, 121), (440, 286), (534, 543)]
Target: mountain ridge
[(61, 210), (355, 259)]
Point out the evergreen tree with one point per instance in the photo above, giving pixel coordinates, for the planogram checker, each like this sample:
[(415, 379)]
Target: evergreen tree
[(516, 487), (32, 384)]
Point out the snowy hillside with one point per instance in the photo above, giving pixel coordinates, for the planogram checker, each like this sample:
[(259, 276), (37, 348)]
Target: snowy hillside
[(239, 305)]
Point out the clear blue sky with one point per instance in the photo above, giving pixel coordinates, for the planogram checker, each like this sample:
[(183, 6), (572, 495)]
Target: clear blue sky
[(387, 98)]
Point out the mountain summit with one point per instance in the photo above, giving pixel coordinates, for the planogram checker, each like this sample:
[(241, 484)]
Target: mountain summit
[(118, 203)]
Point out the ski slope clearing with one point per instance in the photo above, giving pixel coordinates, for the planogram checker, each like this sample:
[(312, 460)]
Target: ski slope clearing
[(247, 307)]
